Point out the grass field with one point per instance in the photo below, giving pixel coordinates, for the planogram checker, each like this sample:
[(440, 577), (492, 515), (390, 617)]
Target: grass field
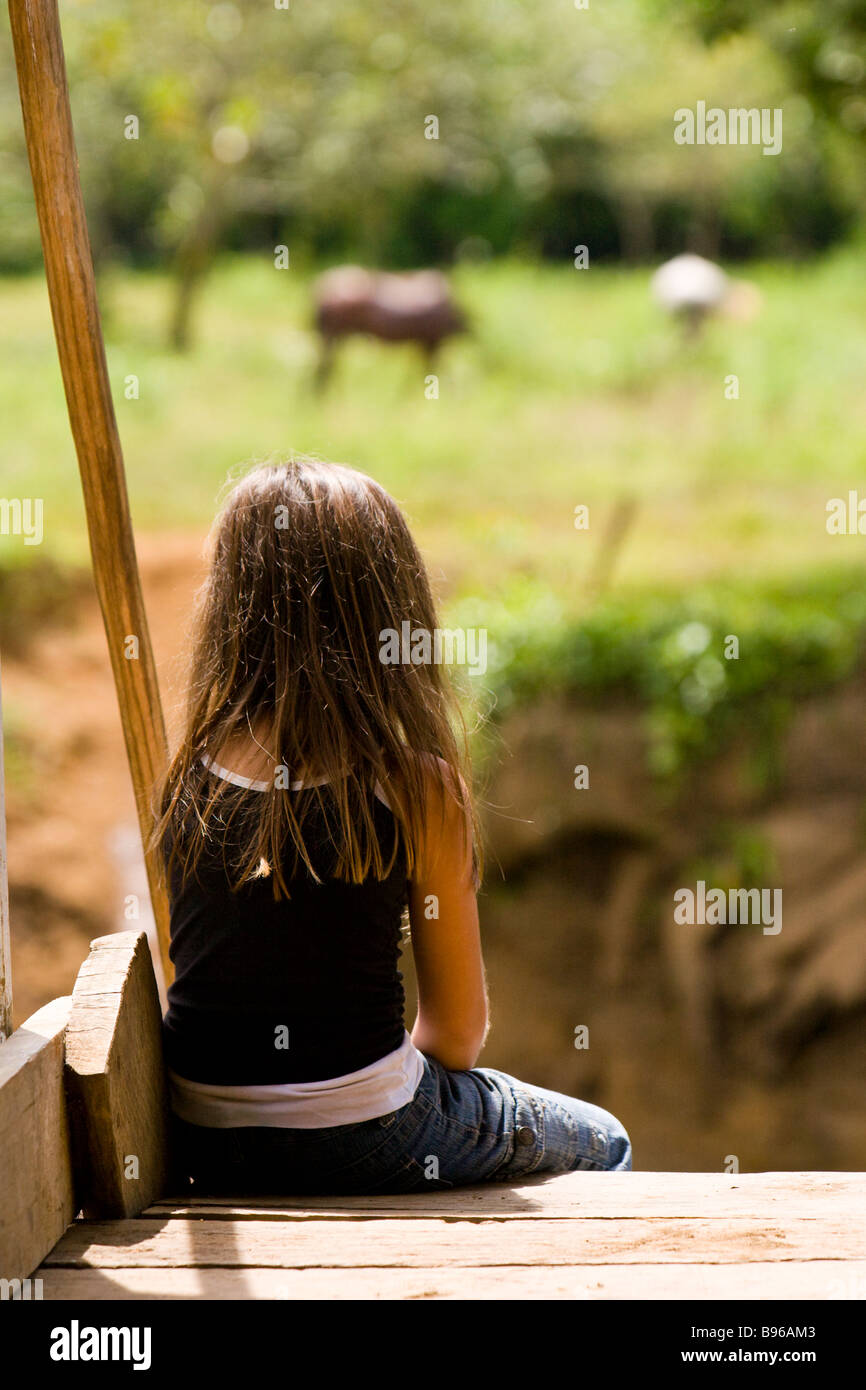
[(572, 390)]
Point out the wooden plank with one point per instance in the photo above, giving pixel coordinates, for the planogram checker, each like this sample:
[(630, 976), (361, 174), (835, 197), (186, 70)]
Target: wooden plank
[(5, 943), (713, 1196), (115, 1078), (347, 1244), (50, 139), (818, 1279), (36, 1203)]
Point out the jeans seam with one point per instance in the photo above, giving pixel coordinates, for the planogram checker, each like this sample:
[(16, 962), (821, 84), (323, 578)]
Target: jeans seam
[(538, 1115), (538, 1108)]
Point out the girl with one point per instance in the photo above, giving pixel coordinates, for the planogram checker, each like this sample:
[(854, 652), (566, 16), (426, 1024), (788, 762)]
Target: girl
[(316, 795)]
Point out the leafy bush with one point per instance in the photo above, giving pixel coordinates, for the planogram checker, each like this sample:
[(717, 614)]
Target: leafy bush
[(668, 652)]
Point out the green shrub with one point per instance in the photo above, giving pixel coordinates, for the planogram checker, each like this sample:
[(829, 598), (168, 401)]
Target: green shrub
[(668, 654)]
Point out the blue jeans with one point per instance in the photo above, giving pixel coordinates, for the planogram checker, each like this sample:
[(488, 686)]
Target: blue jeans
[(460, 1127)]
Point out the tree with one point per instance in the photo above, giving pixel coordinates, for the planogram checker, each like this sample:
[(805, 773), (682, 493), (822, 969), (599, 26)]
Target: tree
[(259, 109), (823, 46)]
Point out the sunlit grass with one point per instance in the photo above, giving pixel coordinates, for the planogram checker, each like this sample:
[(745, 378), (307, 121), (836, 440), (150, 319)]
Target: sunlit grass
[(572, 389)]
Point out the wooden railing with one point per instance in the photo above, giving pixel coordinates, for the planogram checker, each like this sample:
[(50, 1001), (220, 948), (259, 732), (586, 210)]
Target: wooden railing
[(83, 1108), (82, 1089), (72, 292)]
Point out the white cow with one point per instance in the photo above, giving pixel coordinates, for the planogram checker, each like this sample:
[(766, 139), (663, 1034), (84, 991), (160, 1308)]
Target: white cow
[(691, 288)]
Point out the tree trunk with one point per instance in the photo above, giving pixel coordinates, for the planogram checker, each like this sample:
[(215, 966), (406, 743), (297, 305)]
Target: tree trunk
[(635, 223), (192, 261)]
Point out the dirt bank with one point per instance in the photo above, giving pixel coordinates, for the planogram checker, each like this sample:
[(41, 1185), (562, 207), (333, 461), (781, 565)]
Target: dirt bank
[(68, 788), (714, 1044)]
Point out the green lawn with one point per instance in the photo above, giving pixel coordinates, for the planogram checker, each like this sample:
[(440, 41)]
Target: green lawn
[(573, 390)]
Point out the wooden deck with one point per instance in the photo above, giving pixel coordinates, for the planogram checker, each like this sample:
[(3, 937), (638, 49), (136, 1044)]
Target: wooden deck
[(581, 1236), (82, 1091)]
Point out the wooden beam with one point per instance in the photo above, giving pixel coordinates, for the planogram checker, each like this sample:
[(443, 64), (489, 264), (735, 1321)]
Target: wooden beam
[(175, 1243), (708, 1196), (5, 943), (72, 291), (576, 1235), (115, 1079), (35, 1175)]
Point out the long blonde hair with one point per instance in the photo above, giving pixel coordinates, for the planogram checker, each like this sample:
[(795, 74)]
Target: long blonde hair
[(310, 563)]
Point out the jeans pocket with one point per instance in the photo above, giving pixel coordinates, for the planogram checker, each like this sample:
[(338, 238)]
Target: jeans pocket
[(524, 1142)]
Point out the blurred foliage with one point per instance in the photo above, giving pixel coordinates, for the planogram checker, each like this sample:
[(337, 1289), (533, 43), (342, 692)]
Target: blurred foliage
[(259, 126), (823, 47), (737, 856), (668, 652)]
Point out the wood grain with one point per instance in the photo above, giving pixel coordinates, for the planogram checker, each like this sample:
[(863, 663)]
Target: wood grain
[(36, 1203), (575, 1236), (115, 1078), (72, 292), (388, 1243), (816, 1279), (712, 1196)]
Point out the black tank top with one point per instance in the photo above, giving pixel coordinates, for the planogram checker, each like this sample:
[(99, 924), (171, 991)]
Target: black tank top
[(318, 971)]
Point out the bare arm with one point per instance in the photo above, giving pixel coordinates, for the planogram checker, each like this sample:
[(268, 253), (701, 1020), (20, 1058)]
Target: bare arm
[(446, 943)]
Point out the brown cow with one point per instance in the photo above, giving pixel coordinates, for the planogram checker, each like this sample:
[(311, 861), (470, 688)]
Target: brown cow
[(416, 307)]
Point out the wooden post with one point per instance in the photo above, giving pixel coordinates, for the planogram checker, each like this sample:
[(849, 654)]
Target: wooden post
[(116, 1080), (71, 287), (5, 945), (36, 1202)]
